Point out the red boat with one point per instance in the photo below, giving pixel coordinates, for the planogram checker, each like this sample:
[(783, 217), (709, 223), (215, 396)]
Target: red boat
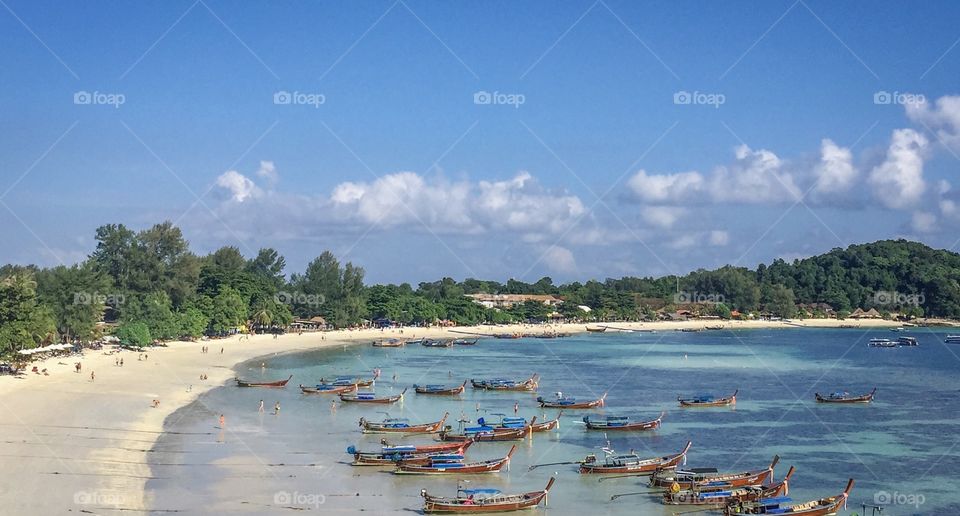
[(440, 389), (278, 383), (621, 423), (328, 389), (821, 507), (720, 496), (369, 397), (632, 464), (459, 468), (546, 426), (709, 401), (700, 478), (843, 397), (571, 403), (392, 455), (401, 426), (484, 500)]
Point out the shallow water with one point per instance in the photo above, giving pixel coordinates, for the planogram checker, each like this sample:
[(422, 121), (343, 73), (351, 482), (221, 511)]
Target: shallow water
[(903, 447)]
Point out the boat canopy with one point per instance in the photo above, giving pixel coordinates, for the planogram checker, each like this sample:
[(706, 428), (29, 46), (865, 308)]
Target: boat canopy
[(481, 491)]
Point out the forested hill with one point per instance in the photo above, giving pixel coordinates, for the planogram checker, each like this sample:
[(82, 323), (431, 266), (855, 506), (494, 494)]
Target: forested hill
[(149, 285)]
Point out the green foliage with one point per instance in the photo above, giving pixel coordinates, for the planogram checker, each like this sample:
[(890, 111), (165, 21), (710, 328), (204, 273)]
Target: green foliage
[(227, 311), (133, 334), (24, 323), (77, 296)]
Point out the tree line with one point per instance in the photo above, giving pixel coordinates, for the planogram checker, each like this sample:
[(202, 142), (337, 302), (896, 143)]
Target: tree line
[(153, 287)]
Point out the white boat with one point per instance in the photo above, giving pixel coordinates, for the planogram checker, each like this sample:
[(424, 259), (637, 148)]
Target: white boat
[(952, 339), (883, 343)]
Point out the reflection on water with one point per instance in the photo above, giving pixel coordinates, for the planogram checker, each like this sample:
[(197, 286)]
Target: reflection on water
[(901, 444)]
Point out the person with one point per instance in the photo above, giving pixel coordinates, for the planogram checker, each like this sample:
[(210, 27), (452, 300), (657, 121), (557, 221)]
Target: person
[(116, 361), (221, 351), (79, 366), (468, 501), (121, 362), (92, 376), (516, 407), (261, 407), (145, 356), (223, 421), (276, 409), (333, 405)]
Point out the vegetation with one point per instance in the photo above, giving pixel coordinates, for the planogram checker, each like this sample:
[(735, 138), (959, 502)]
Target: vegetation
[(149, 286)]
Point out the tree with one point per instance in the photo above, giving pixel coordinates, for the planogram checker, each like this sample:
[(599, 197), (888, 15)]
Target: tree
[(77, 296), (193, 323), (24, 323), (781, 301), (228, 311), (133, 334)]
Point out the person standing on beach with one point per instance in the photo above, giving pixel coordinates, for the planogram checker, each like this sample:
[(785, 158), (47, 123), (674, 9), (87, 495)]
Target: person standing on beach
[(276, 409), (221, 351), (223, 422), (92, 376), (261, 407), (121, 362)]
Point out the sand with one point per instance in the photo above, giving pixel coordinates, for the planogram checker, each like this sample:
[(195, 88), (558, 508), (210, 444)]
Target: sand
[(75, 445)]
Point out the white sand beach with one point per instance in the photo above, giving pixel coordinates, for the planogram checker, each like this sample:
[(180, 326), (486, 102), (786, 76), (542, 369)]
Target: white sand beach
[(72, 444)]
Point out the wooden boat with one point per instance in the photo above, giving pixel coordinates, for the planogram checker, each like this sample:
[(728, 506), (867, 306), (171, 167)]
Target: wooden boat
[(435, 343), (571, 403), (389, 343), (440, 389), (708, 401), (400, 426), (490, 433), (484, 500), (328, 389), (882, 343), (501, 384), (439, 467), (720, 496), (278, 383), (621, 423), (596, 329), (391, 455), (548, 425), (631, 463), (369, 397), (843, 397), (465, 342), (698, 478), (714, 328), (347, 380), (783, 505)]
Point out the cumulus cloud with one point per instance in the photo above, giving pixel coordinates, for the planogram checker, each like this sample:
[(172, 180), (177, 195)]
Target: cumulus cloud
[(664, 188), (661, 216), (756, 176), (560, 259), (268, 171), (923, 222), (942, 117), (898, 182), (835, 172), (719, 238), (238, 185)]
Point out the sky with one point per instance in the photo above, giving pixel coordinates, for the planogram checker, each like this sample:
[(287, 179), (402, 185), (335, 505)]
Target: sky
[(491, 140)]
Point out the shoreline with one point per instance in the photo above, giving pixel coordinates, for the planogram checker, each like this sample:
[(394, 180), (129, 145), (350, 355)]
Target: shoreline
[(77, 444)]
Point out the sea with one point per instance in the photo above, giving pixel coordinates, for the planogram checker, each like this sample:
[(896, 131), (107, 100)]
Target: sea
[(902, 450)]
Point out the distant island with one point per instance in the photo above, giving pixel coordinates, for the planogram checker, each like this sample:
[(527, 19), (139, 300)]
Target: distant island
[(146, 286)]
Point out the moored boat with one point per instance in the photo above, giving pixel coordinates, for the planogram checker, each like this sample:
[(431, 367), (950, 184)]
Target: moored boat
[(505, 431), (327, 389), (400, 425), (596, 329), (952, 339), (706, 400), (436, 343), (721, 495), (369, 397), (845, 397), (546, 426), (784, 505), (907, 341), (697, 478), (389, 343), (563, 402), (484, 500), (465, 342), (621, 423), (347, 380), (278, 383), (391, 455), (439, 466), (440, 389), (882, 343), (631, 463), (502, 384)]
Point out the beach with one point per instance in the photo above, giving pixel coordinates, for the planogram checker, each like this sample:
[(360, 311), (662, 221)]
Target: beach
[(76, 444)]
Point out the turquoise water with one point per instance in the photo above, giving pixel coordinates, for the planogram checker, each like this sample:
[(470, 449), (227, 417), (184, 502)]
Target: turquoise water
[(903, 447)]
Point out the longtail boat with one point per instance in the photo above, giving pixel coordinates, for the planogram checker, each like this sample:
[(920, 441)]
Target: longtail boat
[(400, 426), (388, 343), (327, 389), (347, 380), (437, 467), (546, 426), (440, 389), (783, 505), (501, 384), (465, 342), (843, 397), (369, 397), (708, 401), (484, 500), (631, 463), (278, 383), (720, 496), (563, 402), (702, 477), (621, 423), (391, 455), (436, 343), (490, 433), (596, 329)]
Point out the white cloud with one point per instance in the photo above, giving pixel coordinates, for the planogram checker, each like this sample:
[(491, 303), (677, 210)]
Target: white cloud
[(754, 177), (923, 222), (560, 259), (835, 172), (719, 238), (942, 117), (661, 216), (664, 188), (240, 186), (268, 171), (898, 181)]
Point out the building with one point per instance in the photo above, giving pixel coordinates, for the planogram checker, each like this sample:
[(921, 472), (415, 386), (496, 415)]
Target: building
[(503, 301)]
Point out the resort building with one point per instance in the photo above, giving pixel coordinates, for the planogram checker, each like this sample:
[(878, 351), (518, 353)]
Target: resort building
[(502, 301)]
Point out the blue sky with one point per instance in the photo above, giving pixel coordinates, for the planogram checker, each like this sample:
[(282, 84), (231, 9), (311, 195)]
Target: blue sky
[(585, 163)]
